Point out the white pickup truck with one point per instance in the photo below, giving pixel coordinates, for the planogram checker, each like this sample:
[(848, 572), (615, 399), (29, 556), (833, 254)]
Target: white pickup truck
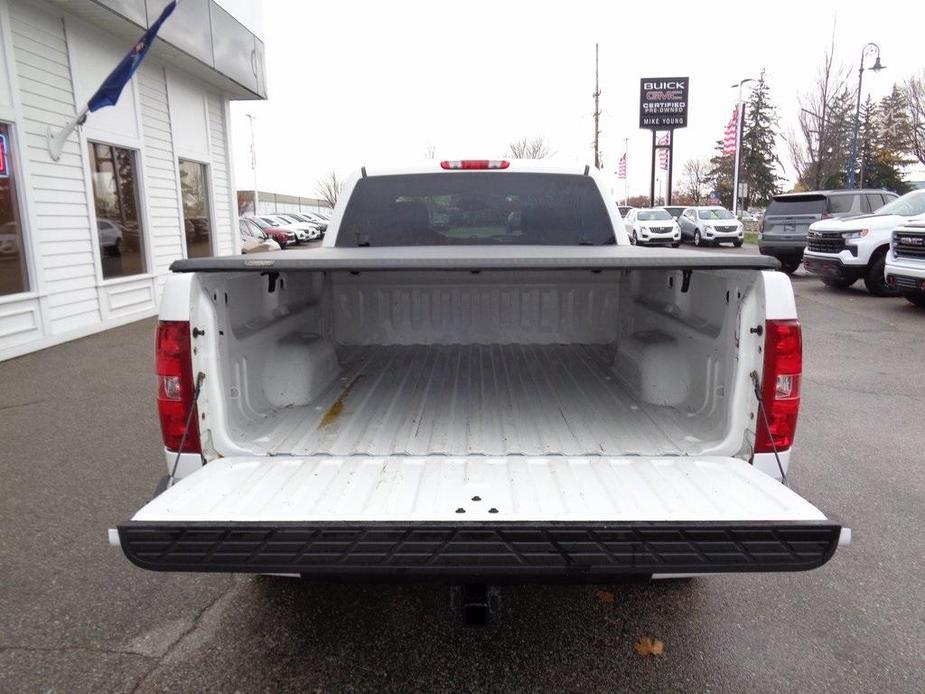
[(905, 262), (477, 379)]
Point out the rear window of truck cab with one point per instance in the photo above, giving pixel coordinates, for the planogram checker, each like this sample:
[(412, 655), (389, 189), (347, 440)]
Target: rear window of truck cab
[(476, 208)]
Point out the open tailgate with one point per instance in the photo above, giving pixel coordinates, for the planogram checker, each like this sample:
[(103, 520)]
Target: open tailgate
[(479, 518)]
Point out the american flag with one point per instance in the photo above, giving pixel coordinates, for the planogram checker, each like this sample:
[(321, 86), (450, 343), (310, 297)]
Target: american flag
[(729, 138), (621, 167), (663, 153)]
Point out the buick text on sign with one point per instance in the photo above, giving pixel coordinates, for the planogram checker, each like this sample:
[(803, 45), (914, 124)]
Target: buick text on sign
[(663, 102)]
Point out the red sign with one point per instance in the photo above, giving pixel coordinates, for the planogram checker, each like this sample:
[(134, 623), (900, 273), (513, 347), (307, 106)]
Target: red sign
[(4, 158)]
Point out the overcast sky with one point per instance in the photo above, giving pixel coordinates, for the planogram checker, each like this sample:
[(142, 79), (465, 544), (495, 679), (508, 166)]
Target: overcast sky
[(354, 84)]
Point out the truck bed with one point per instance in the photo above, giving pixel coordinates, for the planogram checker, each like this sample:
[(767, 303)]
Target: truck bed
[(475, 400)]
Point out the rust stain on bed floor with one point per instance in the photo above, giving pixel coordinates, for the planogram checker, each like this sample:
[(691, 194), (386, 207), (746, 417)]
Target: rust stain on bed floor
[(337, 407)]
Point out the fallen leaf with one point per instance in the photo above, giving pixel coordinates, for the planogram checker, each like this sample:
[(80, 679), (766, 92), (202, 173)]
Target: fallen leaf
[(604, 596), (646, 645)]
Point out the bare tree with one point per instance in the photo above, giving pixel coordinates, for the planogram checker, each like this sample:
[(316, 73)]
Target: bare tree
[(915, 100), (820, 145), (329, 187), (694, 179), (525, 148)]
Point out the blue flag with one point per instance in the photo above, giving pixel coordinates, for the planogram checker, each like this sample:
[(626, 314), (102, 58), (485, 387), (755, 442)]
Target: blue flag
[(109, 91)]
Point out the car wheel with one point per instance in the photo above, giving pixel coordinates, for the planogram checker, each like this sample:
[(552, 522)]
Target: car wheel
[(916, 298), (875, 279), (737, 244), (634, 240), (697, 240), (789, 265), (676, 244)]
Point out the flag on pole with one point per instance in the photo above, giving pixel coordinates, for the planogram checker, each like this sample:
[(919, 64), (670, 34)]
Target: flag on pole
[(621, 167), (109, 92), (729, 138), (663, 153), (111, 89)]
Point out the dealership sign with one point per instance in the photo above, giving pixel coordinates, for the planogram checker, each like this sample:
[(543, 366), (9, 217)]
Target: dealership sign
[(663, 102)]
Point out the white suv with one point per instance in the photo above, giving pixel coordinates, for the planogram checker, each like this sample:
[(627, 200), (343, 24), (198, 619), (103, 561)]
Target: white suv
[(710, 225), (842, 251), (652, 226)]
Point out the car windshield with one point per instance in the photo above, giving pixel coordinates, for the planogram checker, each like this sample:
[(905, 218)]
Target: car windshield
[(653, 215), (715, 213), (262, 223), (909, 205), (472, 208)]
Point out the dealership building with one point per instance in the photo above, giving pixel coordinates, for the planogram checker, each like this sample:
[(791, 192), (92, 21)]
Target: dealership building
[(86, 239)]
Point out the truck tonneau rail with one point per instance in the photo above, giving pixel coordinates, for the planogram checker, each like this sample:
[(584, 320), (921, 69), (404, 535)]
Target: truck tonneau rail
[(484, 551), (478, 258)]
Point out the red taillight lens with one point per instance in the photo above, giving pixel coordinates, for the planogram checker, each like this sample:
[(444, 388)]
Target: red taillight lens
[(826, 215), (780, 386), (173, 364), (475, 164)]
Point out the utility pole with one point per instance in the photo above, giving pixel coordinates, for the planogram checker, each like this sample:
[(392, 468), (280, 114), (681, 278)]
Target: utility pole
[(253, 160), (740, 121), (597, 113)]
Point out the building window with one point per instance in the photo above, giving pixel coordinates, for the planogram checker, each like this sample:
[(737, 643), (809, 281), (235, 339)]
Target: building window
[(118, 223), (197, 222), (13, 276)]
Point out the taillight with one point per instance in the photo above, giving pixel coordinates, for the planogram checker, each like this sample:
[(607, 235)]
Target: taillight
[(174, 367), (780, 386), (826, 215), (475, 164)]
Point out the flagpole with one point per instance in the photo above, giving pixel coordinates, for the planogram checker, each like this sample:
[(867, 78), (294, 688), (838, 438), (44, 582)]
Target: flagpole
[(626, 171), (56, 142)]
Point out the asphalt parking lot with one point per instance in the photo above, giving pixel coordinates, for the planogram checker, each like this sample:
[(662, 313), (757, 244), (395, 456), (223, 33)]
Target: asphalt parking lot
[(80, 452)]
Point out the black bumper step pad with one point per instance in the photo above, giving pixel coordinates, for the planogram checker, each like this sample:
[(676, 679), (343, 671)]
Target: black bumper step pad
[(479, 550)]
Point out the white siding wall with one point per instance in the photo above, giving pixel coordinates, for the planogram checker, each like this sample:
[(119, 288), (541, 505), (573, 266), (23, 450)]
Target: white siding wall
[(221, 178), (164, 212), (43, 53), (59, 211)]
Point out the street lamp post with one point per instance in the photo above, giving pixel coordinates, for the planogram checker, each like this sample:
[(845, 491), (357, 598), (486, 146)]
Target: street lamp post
[(876, 67), (740, 118)]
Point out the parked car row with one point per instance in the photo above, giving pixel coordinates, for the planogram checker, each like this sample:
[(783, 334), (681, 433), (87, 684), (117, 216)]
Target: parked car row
[(785, 227), (702, 225), (843, 236), (282, 229)]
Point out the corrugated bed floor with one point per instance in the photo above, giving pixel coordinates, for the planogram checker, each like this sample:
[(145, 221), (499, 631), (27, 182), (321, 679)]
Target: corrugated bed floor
[(475, 400)]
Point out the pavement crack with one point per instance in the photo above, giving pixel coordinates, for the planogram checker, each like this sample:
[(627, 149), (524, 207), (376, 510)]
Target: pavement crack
[(16, 405), (188, 639)]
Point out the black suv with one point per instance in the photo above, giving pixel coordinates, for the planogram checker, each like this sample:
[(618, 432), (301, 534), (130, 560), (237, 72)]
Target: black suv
[(787, 219)]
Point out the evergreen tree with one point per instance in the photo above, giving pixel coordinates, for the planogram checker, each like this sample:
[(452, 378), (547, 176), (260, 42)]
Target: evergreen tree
[(887, 137), (758, 167), (867, 161)]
